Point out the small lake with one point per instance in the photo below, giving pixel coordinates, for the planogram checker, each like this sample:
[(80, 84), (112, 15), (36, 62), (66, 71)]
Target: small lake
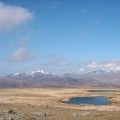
[(89, 100)]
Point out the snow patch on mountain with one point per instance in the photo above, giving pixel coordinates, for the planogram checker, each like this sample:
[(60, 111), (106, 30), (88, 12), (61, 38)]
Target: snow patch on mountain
[(38, 71), (99, 67), (16, 74), (31, 73)]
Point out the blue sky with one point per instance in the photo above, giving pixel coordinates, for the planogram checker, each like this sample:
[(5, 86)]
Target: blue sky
[(57, 35)]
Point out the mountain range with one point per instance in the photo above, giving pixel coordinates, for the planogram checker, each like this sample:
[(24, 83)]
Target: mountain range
[(93, 74)]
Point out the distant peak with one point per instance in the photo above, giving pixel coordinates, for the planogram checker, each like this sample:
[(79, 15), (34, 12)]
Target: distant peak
[(100, 68), (39, 71)]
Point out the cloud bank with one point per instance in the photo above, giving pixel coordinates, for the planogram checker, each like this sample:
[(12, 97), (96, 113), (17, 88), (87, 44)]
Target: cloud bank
[(13, 16), (21, 55)]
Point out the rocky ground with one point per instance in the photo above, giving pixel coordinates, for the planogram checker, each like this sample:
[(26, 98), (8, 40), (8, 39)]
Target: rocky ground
[(32, 113)]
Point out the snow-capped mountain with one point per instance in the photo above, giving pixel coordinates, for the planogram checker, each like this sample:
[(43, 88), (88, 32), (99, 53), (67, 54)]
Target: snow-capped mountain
[(43, 79), (100, 68), (107, 72), (29, 75), (93, 74)]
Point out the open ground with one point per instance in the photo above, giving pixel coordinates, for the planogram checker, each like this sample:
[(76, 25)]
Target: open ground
[(46, 104)]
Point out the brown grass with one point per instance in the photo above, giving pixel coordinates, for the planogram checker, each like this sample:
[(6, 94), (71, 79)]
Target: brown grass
[(43, 97)]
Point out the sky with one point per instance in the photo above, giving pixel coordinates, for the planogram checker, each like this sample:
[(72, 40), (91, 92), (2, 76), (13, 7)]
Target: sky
[(57, 35)]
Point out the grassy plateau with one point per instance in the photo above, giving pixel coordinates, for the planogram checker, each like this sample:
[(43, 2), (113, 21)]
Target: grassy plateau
[(46, 104)]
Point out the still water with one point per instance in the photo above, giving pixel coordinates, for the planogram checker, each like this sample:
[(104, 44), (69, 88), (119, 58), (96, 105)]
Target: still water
[(89, 100)]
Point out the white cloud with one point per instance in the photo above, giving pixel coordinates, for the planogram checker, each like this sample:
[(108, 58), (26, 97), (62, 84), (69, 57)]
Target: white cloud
[(13, 16), (21, 55)]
